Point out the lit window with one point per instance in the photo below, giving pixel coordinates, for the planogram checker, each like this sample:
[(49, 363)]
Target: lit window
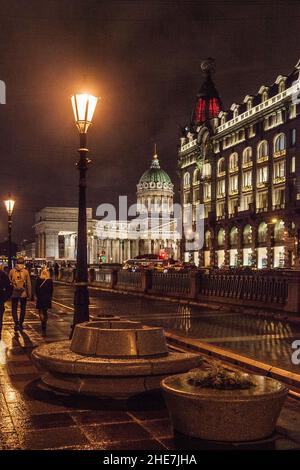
[(245, 201), (292, 111), (196, 176), (293, 137), (221, 237), (232, 206), (293, 164), (196, 195), (207, 239), (280, 143), (278, 198), (221, 166), (262, 149), (206, 171), (247, 179), (207, 191), (233, 161), (262, 174), (233, 236), (247, 155), (233, 183), (186, 179), (221, 188), (262, 232), (279, 230), (279, 169), (247, 234)]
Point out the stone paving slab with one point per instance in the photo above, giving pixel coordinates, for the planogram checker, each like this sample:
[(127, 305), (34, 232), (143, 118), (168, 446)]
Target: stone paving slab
[(35, 418)]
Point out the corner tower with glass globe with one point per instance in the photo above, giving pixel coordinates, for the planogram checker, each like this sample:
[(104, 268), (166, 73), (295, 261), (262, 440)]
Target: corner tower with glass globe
[(241, 166)]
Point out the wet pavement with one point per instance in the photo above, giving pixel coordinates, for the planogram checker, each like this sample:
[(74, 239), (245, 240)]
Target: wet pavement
[(261, 338), (34, 418)]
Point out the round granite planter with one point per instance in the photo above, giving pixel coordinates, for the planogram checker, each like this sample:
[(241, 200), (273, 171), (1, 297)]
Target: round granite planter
[(102, 317), (224, 415), (118, 339), (111, 359)]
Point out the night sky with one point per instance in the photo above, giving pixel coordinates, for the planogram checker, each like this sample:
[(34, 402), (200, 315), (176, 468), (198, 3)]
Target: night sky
[(143, 59)]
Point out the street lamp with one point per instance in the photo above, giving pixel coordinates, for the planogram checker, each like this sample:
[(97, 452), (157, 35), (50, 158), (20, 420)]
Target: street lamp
[(83, 107), (9, 204)]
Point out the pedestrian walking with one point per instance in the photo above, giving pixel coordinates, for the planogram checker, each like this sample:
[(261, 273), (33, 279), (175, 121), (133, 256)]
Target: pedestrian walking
[(44, 292), (21, 284), (56, 271), (5, 293)]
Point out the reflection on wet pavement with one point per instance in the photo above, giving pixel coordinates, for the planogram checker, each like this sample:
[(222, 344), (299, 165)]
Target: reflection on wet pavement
[(34, 418), (264, 339)]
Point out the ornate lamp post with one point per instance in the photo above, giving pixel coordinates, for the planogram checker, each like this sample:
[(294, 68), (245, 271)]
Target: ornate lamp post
[(83, 107), (9, 204)]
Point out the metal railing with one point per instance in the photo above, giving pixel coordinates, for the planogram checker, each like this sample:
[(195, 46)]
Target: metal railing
[(102, 276), (262, 287), (278, 289), (171, 283), (133, 280)]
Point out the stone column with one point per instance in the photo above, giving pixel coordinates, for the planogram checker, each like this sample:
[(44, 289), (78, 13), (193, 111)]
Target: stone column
[(38, 246), (72, 246), (50, 245)]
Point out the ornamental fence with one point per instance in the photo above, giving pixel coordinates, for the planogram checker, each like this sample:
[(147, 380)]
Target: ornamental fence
[(276, 289), (262, 287)]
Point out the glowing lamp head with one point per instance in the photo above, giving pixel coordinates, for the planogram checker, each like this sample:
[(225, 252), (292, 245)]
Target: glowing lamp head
[(83, 107), (274, 221), (9, 204)]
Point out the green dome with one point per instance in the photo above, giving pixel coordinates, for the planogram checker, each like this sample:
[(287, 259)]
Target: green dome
[(155, 174)]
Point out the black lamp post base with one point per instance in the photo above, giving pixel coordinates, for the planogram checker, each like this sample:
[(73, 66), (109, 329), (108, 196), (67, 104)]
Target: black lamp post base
[(81, 304)]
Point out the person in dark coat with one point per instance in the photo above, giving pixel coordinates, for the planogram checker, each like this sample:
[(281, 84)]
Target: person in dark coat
[(5, 293), (56, 270), (44, 292)]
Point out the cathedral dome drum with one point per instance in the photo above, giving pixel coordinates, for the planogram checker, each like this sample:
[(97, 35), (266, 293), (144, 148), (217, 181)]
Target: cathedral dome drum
[(155, 178)]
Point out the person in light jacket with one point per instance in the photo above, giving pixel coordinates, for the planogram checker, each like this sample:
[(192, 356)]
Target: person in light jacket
[(44, 292), (21, 284)]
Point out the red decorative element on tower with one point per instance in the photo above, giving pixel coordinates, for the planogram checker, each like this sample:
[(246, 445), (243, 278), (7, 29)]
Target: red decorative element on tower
[(208, 104)]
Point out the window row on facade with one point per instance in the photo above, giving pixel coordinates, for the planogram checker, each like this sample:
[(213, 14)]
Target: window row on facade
[(279, 150), (261, 247)]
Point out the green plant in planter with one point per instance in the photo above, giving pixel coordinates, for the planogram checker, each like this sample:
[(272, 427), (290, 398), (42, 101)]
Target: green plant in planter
[(219, 377)]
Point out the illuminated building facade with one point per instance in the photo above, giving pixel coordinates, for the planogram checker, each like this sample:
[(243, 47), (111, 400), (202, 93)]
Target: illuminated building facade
[(242, 165), (115, 241)]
